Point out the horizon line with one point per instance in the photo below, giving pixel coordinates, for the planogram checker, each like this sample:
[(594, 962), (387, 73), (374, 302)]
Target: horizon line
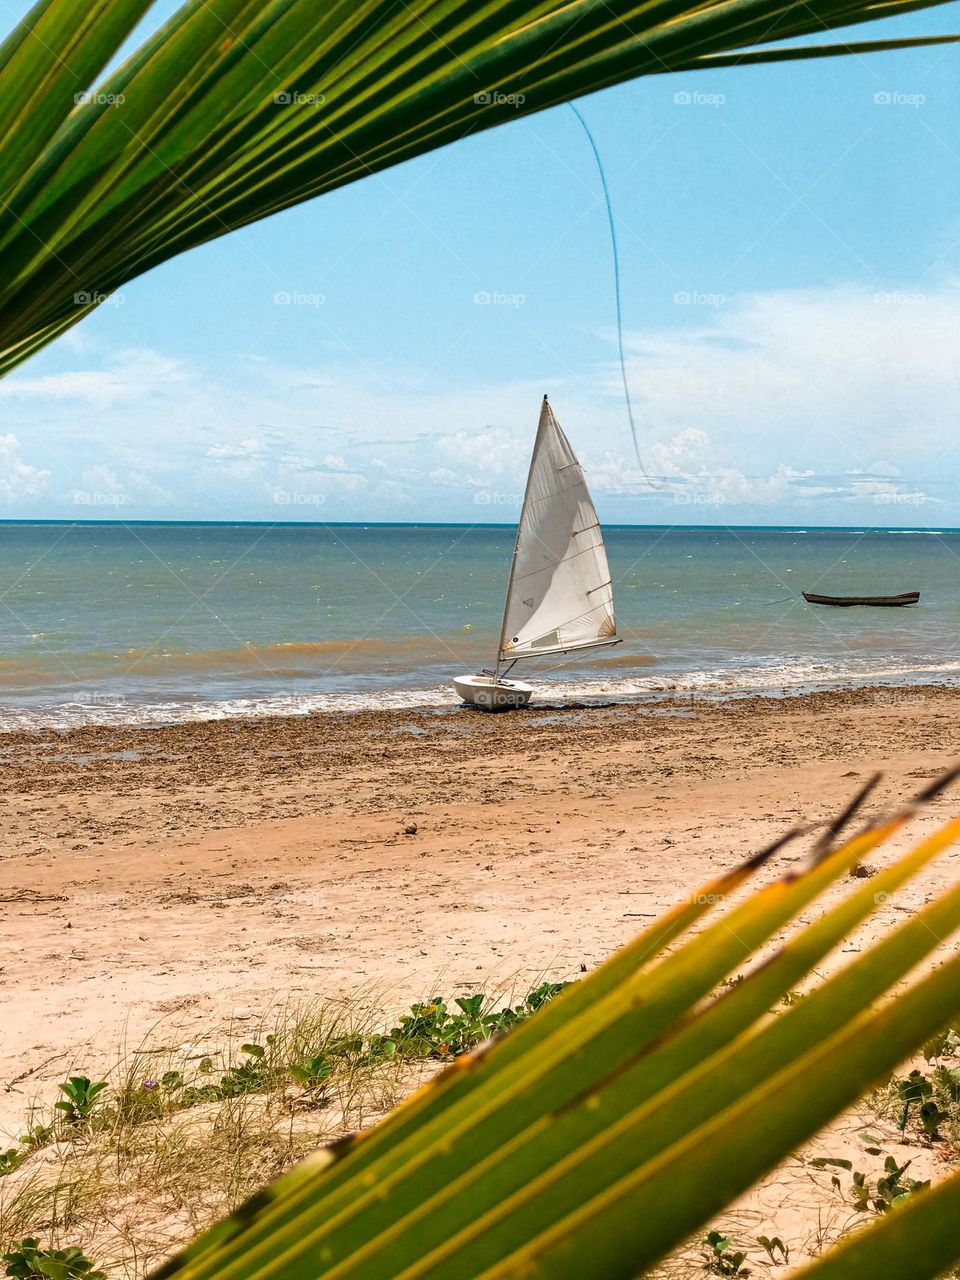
[(459, 524)]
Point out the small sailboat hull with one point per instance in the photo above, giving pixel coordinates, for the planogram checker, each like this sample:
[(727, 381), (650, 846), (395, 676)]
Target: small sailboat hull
[(490, 694)]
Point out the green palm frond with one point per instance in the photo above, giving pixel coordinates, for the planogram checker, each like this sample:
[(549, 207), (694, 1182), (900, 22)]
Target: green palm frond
[(598, 1136), (236, 109)]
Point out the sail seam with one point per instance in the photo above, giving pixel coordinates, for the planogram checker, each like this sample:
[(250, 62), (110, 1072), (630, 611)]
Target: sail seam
[(581, 617), (557, 563)]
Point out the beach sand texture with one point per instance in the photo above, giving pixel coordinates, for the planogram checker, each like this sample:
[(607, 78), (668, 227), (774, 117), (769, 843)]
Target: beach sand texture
[(182, 884), (211, 871)]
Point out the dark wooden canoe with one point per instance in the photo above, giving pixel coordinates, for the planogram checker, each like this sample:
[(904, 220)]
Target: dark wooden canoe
[(906, 597)]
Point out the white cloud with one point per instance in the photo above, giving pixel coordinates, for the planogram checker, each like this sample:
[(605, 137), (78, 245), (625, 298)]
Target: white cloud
[(671, 456), (878, 468), (76, 340), (303, 475), (819, 374), (242, 450), (17, 478), (886, 493), (806, 405), (134, 376), (102, 478), (485, 457), (684, 473)]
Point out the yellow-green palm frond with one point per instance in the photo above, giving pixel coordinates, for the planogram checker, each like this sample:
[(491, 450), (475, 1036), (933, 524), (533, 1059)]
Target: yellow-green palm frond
[(595, 1138)]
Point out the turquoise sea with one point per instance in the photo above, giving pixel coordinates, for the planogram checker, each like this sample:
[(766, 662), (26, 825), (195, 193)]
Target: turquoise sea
[(111, 622)]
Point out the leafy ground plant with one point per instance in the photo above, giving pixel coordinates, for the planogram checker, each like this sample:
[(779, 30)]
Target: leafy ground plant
[(892, 1188), (79, 1100), (775, 1249), (312, 1072), (722, 1259), (915, 1092), (26, 1260), (925, 1105), (434, 1030)]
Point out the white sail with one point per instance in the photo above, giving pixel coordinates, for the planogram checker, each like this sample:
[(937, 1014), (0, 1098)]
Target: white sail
[(560, 596)]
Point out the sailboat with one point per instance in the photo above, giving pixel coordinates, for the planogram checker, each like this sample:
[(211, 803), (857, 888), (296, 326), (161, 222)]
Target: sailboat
[(559, 596)]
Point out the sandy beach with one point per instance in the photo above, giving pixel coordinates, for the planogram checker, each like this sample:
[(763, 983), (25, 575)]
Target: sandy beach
[(636, 421), (205, 873)]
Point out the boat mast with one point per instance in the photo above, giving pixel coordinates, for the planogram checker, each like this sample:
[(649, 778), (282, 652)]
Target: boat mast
[(544, 411)]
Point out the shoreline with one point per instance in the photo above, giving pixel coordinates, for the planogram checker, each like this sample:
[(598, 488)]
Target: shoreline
[(369, 718), (597, 693)]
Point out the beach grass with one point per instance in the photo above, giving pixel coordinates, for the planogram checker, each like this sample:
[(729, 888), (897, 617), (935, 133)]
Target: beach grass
[(188, 1126)]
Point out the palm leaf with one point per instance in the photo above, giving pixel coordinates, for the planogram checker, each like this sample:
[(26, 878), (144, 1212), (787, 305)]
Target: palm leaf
[(235, 109), (596, 1137), (46, 63)]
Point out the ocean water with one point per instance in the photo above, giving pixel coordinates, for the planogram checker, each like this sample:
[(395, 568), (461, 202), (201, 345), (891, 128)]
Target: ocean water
[(153, 623)]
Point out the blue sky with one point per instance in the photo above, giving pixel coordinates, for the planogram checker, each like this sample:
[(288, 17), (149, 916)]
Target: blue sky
[(790, 247)]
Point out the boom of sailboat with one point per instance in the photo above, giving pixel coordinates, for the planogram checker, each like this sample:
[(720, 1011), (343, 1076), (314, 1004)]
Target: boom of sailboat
[(559, 593)]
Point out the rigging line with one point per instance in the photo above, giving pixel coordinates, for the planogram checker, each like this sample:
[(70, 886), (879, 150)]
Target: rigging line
[(617, 293)]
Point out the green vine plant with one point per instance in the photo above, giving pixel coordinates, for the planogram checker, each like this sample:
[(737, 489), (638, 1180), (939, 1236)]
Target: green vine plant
[(26, 1260)]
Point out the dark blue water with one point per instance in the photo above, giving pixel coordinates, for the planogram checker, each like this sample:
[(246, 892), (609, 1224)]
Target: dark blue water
[(162, 621)]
